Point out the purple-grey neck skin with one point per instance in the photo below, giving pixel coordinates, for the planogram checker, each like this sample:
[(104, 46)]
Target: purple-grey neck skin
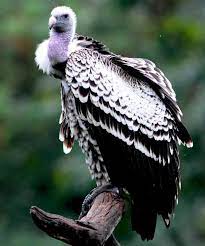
[(58, 46), (62, 25)]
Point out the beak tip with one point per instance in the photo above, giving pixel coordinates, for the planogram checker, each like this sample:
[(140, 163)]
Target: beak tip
[(52, 21)]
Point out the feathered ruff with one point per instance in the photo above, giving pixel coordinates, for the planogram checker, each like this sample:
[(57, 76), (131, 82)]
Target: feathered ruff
[(41, 57)]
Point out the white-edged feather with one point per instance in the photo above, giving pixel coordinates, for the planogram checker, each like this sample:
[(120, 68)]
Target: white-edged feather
[(66, 149), (189, 144)]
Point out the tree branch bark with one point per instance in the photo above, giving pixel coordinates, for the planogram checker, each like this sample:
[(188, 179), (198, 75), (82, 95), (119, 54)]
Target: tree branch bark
[(95, 228)]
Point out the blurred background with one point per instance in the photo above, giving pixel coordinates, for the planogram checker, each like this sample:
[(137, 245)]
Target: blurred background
[(33, 168)]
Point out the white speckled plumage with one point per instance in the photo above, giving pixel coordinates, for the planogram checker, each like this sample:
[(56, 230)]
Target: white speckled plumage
[(143, 110)]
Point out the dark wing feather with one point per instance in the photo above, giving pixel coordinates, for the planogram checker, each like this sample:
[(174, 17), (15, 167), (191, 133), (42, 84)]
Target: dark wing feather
[(90, 43)]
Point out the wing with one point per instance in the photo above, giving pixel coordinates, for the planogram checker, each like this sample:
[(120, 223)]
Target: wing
[(147, 71), (72, 128), (132, 109), (131, 100)]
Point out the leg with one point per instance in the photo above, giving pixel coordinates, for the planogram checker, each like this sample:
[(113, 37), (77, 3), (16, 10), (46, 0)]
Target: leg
[(88, 201)]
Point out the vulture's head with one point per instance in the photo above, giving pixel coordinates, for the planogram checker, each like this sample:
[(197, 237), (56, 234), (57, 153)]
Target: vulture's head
[(62, 20)]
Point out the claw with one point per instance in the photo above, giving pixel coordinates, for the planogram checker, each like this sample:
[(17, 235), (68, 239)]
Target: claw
[(89, 199)]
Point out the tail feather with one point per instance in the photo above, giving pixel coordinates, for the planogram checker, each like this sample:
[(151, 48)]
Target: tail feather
[(160, 199), (143, 218)]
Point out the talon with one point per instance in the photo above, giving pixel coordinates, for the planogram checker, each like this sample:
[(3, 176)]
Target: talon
[(89, 199)]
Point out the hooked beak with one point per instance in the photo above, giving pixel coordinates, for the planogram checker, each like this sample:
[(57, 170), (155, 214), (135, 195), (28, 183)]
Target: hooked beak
[(56, 25), (52, 21)]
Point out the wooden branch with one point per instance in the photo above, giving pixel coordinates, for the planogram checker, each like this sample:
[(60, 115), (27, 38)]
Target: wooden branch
[(95, 228)]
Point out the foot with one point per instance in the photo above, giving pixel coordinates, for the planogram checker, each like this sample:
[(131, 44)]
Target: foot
[(89, 199)]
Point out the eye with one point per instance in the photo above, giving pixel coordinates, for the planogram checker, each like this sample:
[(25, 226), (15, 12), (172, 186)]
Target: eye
[(65, 16)]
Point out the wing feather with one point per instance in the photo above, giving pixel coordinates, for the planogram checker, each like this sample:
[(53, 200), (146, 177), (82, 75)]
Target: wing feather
[(129, 101), (137, 119)]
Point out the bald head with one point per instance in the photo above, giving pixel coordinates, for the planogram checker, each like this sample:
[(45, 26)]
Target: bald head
[(63, 19)]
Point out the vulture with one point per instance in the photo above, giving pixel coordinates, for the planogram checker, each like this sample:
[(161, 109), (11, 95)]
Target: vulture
[(124, 114)]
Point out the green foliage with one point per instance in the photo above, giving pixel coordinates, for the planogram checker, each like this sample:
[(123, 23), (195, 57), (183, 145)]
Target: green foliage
[(34, 170)]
